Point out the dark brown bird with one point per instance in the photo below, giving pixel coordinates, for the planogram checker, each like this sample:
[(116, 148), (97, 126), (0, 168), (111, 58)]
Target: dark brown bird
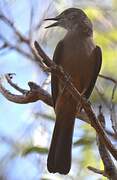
[(81, 59)]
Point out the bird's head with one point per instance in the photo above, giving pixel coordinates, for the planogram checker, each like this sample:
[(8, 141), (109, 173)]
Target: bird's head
[(70, 19)]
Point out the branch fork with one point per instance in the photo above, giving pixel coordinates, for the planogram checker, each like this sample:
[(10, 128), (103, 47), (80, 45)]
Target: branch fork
[(38, 93)]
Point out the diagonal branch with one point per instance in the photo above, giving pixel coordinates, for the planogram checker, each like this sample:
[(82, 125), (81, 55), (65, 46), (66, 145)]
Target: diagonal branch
[(110, 170), (16, 48), (37, 93), (12, 26), (58, 71)]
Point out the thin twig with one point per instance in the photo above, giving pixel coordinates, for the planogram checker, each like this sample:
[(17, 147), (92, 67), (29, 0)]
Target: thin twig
[(109, 168), (31, 22), (97, 171), (113, 116), (16, 31), (34, 94), (111, 134), (3, 46), (16, 48), (8, 77), (103, 98), (108, 78)]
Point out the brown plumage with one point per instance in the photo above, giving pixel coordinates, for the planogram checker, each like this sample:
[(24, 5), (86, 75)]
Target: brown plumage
[(81, 59)]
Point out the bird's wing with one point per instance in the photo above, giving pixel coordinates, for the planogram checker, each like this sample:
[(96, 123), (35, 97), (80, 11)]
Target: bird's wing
[(54, 80), (97, 61)]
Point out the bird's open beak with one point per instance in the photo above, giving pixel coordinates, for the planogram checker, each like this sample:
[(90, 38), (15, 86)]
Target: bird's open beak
[(52, 19)]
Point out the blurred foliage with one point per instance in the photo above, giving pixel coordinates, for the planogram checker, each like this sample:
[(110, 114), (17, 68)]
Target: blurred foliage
[(105, 35), (35, 149), (114, 2)]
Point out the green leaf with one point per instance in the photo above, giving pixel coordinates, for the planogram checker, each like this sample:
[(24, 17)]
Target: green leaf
[(35, 149), (94, 13), (84, 141)]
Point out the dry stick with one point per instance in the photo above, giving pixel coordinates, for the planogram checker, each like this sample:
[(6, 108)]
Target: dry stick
[(12, 26), (16, 48), (103, 98), (112, 111), (108, 78), (110, 170), (31, 22), (93, 120), (111, 134), (21, 37), (34, 94), (112, 108), (109, 167), (97, 171), (8, 77)]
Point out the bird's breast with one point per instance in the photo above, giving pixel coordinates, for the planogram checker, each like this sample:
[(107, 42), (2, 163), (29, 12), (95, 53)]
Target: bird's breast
[(76, 61)]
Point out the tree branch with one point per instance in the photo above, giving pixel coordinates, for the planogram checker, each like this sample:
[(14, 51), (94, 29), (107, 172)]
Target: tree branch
[(12, 26), (110, 170), (108, 78), (58, 71), (37, 93), (34, 94), (29, 96)]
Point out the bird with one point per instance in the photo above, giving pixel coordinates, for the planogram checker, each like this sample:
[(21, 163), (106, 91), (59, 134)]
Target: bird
[(81, 59)]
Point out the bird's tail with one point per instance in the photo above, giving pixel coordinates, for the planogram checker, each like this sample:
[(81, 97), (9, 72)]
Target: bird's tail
[(59, 158)]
